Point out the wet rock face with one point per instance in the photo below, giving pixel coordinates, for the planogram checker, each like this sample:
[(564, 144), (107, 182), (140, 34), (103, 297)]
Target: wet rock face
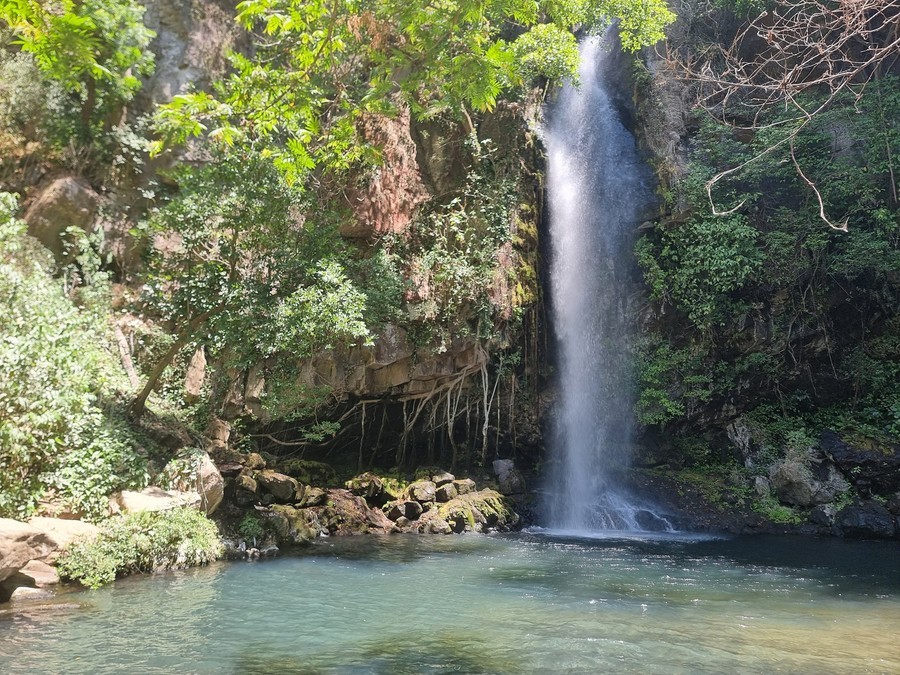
[(870, 471), (866, 520)]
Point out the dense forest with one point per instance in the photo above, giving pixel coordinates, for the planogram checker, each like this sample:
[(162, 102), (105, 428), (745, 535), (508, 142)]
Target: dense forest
[(305, 238)]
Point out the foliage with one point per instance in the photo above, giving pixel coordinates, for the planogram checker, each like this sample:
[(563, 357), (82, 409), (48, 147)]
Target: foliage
[(142, 542), (256, 271), (320, 65), (251, 527), (96, 49), (59, 428), (670, 380)]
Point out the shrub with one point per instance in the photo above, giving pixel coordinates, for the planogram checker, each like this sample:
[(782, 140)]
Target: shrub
[(58, 423), (142, 542)]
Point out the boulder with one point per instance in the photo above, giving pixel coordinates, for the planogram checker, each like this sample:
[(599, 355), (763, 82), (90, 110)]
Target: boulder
[(206, 480), (283, 488), (477, 511), (410, 510), (245, 489), (509, 478), (371, 488), (446, 492), (152, 499), (313, 496), (218, 431), (421, 491), (442, 478), (308, 471), (62, 533), (794, 483), (345, 513), (464, 486), (64, 203), (254, 461), (21, 543), (865, 520)]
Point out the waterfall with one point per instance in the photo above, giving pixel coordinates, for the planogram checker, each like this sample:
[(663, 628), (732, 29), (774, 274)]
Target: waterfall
[(598, 188)]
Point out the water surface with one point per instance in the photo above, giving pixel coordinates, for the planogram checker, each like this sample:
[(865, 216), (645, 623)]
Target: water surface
[(528, 603)]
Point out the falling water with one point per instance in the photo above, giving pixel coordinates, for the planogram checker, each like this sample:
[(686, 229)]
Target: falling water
[(598, 189)]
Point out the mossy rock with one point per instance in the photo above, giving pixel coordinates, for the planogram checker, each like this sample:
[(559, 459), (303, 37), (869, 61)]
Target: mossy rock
[(479, 511), (308, 472)]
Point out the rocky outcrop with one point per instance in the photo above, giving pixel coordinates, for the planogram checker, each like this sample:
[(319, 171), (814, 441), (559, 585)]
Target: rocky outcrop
[(871, 471), (866, 520), (511, 480), (63, 532), (67, 202)]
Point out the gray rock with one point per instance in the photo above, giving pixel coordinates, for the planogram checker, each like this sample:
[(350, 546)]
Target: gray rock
[(152, 498), (283, 488), (794, 483), (245, 490), (446, 492), (442, 478), (762, 487), (464, 486), (421, 491)]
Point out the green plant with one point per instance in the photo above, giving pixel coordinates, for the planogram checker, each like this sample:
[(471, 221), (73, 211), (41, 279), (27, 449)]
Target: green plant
[(61, 427), (772, 509), (142, 542), (251, 527)]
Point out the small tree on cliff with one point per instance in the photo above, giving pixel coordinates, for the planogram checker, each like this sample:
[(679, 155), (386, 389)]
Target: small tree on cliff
[(798, 57)]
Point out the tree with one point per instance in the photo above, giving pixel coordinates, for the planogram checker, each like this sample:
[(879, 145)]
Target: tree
[(247, 272), (320, 64), (96, 49), (799, 57)]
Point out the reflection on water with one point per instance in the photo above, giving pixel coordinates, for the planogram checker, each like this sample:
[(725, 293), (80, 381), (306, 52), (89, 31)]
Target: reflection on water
[(503, 604)]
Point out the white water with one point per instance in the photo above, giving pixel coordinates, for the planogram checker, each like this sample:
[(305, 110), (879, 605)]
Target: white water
[(598, 188)]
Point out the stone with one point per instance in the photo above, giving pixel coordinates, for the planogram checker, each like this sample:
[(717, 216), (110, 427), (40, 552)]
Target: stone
[(439, 526), (62, 532), (308, 471), (40, 573), (195, 376), (283, 488), (28, 593), (794, 483), (345, 513), (822, 515), (19, 544), (421, 491), (313, 496), (446, 492), (254, 461), (865, 520), (512, 483), (464, 486), (402, 509), (402, 522), (442, 478), (218, 432), (245, 490), (210, 485), (477, 511), (152, 499), (64, 203), (371, 488)]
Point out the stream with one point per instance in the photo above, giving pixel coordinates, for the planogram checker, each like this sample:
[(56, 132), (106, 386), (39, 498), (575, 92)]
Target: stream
[(524, 603)]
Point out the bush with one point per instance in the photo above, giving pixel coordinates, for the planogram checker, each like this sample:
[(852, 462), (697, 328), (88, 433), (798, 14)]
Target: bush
[(59, 426), (142, 542)]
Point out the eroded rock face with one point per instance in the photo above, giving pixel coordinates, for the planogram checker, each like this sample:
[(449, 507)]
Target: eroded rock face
[(283, 488), (345, 513), (510, 479), (478, 511), (866, 520), (63, 532), (421, 491), (66, 202)]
